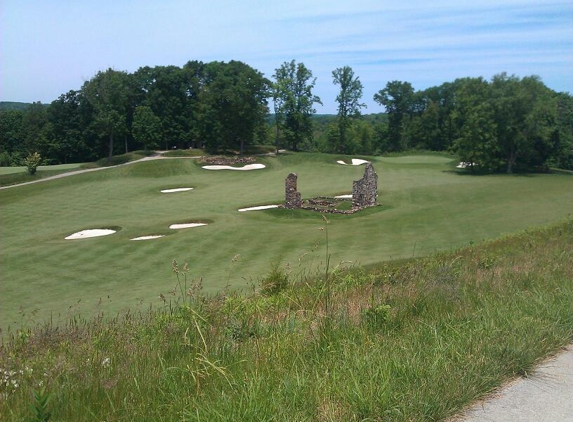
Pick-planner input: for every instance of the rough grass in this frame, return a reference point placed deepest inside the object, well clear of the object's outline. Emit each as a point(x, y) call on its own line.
point(450, 328)
point(425, 207)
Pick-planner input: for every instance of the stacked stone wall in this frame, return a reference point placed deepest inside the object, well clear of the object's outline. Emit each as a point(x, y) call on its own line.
point(293, 199)
point(365, 190)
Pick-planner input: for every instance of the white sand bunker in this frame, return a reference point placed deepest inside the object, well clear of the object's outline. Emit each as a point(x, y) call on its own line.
point(90, 233)
point(355, 162)
point(260, 207)
point(464, 165)
point(153, 236)
point(343, 196)
point(186, 225)
point(246, 167)
point(176, 190)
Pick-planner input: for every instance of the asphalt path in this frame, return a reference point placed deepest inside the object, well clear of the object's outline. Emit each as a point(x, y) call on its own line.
point(546, 395)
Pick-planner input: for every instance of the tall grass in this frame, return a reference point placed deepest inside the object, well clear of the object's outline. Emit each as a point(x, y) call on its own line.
point(412, 341)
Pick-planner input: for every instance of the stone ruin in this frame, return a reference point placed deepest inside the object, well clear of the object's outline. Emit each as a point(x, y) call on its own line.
point(293, 200)
point(364, 194)
point(365, 190)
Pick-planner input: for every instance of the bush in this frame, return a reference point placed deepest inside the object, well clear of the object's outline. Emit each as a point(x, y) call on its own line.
point(376, 316)
point(5, 159)
point(32, 161)
point(275, 282)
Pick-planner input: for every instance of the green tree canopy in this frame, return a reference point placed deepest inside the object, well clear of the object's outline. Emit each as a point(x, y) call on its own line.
point(294, 102)
point(348, 100)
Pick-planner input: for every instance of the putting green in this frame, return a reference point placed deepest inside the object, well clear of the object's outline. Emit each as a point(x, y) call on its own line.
point(424, 208)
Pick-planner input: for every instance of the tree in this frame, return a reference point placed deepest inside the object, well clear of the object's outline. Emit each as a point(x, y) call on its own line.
point(478, 143)
point(11, 137)
point(167, 97)
point(68, 118)
point(348, 100)
point(525, 114)
point(399, 100)
point(146, 127)
point(235, 105)
point(33, 127)
point(563, 155)
point(293, 102)
point(107, 92)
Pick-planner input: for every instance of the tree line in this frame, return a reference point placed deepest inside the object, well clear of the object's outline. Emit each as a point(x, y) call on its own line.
point(506, 123)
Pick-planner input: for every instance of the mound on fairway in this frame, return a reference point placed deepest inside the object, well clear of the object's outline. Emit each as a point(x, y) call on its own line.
point(246, 167)
point(260, 207)
point(176, 190)
point(355, 162)
point(90, 233)
point(186, 225)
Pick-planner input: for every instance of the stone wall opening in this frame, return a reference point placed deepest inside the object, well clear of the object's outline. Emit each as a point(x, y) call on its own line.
point(364, 194)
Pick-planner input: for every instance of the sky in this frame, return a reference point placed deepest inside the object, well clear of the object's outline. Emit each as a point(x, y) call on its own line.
point(50, 47)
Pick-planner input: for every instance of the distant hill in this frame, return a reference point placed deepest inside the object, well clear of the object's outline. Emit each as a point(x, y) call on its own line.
point(12, 105)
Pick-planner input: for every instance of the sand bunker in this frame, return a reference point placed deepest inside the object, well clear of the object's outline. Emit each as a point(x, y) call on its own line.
point(186, 225)
point(246, 167)
point(153, 236)
point(343, 196)
point(260, 207)
point(355, 162)
point(175, 190)
point(90, 233)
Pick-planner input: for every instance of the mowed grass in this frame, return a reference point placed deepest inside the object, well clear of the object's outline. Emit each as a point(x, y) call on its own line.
point(411, 341)
point(15, 175)
point(425, 206)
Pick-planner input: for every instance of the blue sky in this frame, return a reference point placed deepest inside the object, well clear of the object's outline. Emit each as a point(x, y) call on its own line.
point(50, 47)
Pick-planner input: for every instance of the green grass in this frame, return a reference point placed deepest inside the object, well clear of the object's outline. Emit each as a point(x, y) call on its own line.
point(416, 341)
point(15, 175)
point(185, 153)
point(426, 206)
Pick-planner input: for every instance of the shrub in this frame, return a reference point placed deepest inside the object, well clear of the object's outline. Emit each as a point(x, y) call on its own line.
point(275, 281)
point(376, 316)
point(32, 161)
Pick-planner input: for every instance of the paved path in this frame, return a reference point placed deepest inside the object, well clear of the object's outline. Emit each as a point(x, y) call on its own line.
point(545, 396)
point(158, 155)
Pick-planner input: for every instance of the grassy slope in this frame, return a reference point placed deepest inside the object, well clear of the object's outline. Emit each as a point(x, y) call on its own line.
point(458, 325)
point(15, 175)
point(426, 206)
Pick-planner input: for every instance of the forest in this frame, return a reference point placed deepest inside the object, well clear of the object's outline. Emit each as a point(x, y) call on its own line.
point(505, 124)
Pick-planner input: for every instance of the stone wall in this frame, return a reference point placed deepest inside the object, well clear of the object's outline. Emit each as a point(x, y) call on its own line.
point(293, 199)
point(365, 190)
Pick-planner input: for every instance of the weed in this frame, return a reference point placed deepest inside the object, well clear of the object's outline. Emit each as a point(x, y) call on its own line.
point(40, 406)
point(276, 281)
point(376, 316)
